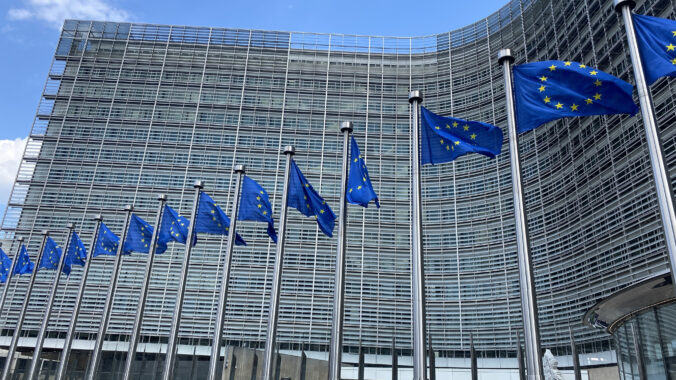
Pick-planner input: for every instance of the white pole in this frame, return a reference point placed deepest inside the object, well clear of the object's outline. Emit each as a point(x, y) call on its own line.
point(33, 371)
point(138, 320)
point(526, 281)
point(176, 319)
point(660, 173)
point(273, 312)
point(22, 315)
point(336, 348)
point(65, 352)
point(223, 295)
point(417, 260)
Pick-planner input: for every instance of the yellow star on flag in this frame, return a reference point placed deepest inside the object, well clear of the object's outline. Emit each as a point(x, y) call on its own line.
point(559, 106)
point(573, 107)
point(597, 96)
point(567, 63)
point(542, 88)
point(670, 47)
point(547, 99)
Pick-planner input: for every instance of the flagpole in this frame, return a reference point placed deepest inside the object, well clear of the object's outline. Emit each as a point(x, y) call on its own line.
point(417, 261)
point(223, 295)
point(273, 310)
point(336, 348)
point(660, 174)
point(170, 358)
point(474, 371)
point(519, 357)
point(10, 274)
point(108, 307)
point(67, 344)
point(526, 282)
point(22, 315)
point(33, 372)
point(138, 320)
point(576, 357)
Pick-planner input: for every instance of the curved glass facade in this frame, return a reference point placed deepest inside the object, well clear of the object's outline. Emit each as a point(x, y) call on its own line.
point(132, 110)
point(653, 331)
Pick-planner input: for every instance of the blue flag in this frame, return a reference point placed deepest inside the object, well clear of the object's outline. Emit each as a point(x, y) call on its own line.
point(5, 266)
point(106, 242)
point(549, 90)
point(305, 199)
point(51, 255)
point(359, 188)
point(173, 227)
point(212, 220)
point(254, 204)
point(139, 236)
point(76, 255)
point(443, 139)
point(656, 38)
point(24, 264)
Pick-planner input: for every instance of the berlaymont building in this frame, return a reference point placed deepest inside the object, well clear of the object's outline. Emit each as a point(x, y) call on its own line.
point(132, 110)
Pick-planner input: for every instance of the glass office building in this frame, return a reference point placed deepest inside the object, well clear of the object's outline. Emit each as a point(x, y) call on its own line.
point(132, 110)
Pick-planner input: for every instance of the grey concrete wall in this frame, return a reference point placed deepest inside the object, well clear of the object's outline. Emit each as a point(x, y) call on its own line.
point(604, 373)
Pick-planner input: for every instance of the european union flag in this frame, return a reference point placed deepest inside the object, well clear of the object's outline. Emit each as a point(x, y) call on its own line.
point(76, 255)
point(173, 227)
point(24, 264)
point(212, 220)
point(446, 138)
point(254, 204)
point(550, 90)
point(5, 266)
point(106, 242)
point(656, 37)
point(51, 255)
point(359, 188)
point(139, 236)
point(305, 199)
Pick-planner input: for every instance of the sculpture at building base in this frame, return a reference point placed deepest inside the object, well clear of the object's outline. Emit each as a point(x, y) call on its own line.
point(551, 366)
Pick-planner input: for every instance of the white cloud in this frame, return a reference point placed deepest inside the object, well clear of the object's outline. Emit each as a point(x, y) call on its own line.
point(54, 12)
point(11, 152)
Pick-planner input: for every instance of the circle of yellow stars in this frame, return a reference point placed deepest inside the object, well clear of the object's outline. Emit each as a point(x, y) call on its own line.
point(218, 222)
point(672, 47)
point(364, 178)
point(573, 107)
point(260, 203)
point(106, 244)
point(450, 146)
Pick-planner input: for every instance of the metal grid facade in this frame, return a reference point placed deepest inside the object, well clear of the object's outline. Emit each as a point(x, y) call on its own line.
point(132, 110)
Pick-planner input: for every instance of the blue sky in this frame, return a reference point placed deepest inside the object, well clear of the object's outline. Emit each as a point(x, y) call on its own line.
point(29, 30)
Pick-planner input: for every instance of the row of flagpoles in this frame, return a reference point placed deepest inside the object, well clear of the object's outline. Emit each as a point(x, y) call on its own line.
point(535, 94)
point(251, 203)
